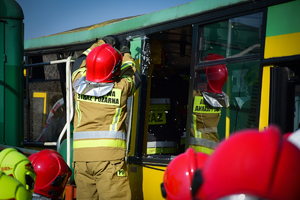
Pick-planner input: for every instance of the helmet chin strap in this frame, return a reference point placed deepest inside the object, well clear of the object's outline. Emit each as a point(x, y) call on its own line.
point(197, 179)
point(197, 182)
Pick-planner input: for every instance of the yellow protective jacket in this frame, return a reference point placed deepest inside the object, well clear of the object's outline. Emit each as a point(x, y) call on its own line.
point(204, 133)
point(99, 122)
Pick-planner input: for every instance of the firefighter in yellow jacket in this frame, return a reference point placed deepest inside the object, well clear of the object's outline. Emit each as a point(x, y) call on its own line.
point(207, 107)
point(102, 85)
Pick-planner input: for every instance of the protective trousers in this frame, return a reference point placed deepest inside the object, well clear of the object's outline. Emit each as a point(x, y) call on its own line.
point(102, 180)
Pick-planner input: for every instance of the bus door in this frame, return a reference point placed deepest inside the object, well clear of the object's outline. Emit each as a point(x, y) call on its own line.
point(162, 109)
point(285, 96)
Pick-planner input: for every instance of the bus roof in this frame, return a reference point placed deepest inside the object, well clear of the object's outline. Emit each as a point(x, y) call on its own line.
point(119, 26)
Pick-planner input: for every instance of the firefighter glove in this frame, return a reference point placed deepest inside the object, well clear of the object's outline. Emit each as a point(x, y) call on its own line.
point(124, 45)
point(112, 40)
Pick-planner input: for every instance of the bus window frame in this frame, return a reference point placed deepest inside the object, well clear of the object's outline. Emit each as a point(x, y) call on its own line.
point(140, 150)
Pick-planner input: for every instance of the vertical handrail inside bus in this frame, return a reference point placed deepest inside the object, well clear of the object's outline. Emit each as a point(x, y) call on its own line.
point(69, 109)
point(69, 99)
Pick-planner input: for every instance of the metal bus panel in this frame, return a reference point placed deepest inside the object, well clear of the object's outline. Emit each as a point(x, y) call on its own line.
point(12, 49)
point(152, 179)
point(282, 31)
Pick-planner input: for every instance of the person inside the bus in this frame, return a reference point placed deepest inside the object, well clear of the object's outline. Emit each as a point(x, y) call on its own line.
point(208, 101)
point(102, 84)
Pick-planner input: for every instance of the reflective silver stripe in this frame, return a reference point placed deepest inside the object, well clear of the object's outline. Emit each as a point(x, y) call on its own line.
point(83, 86)
point(154, 101)
point(203, 142)
point(216, 100)
point(157, 144)
point(99, 134)
point(198, 134)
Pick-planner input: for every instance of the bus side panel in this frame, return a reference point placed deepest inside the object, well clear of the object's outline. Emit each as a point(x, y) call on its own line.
point(135, 171)
point(136, 179)
point(283, 32)
point(282, 39)
point(135, 48)
point(152, 179)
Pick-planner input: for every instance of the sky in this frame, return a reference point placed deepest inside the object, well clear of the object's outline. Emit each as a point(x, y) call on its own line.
point(46, 17)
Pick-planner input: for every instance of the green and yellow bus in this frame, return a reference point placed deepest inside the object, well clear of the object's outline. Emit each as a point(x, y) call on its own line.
point(259, 39)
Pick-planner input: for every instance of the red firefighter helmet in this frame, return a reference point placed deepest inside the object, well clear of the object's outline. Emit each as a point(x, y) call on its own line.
point(216, 74)
point(103, 64)
point(179, 174)
point(52, 173)
point(253, 163)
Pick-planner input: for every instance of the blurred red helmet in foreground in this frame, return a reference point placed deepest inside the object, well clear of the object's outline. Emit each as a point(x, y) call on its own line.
point(179, 175)
point(260, 164)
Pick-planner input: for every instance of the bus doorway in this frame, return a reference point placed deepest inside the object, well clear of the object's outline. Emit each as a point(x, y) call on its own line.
point(285, 96)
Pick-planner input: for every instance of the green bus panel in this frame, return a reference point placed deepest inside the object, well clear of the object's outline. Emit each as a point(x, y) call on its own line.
point(279, 15)
point(11, 70)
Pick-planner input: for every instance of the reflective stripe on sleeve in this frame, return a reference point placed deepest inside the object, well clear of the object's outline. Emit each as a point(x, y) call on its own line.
point(86, 52)
point(127, 64)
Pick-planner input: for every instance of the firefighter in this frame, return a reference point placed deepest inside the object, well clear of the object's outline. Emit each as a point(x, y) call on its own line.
point(52, 174)
point(11, 188)
point(253, 165)
point(102, 86)
point(207, 105)
point(180, 173)
point(15, 164)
